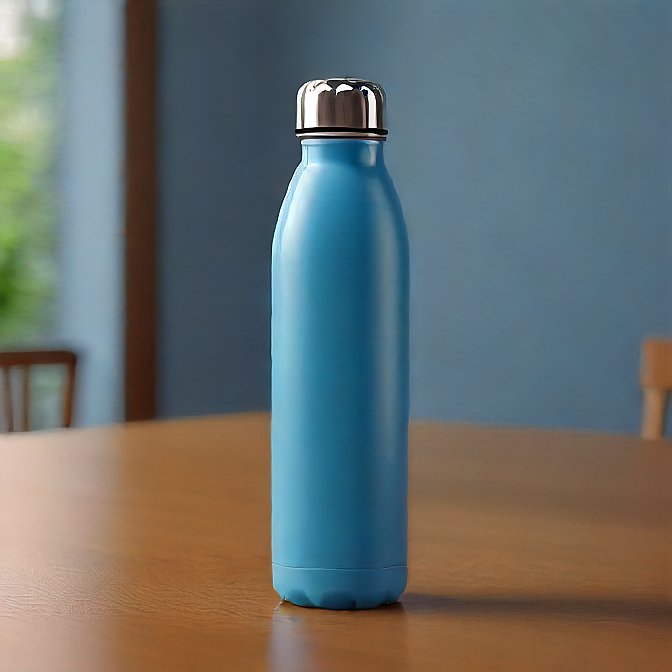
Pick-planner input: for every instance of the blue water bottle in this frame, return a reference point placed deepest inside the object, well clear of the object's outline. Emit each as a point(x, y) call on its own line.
point(340, 360)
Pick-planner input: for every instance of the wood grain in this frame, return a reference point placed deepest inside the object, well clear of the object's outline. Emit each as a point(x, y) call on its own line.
point(146, 547)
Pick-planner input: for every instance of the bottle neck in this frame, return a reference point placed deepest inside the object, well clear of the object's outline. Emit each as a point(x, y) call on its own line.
point(342, 150)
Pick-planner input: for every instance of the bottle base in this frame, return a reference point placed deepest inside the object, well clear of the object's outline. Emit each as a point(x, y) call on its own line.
point(339, 588)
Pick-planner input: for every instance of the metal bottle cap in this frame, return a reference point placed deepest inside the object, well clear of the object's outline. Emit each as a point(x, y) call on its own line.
point(341, 107)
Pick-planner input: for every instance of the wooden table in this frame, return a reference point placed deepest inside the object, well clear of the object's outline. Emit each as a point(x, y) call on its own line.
point(146, 547)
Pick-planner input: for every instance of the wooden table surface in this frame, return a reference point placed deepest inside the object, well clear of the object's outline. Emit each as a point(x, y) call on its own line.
point(147, 547)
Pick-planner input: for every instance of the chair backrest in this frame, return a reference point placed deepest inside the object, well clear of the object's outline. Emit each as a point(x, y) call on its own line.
point(22, 361)
point(656, 381)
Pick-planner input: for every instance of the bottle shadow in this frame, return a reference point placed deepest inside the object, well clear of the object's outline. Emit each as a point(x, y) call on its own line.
point(658, 611)
point(305, 639)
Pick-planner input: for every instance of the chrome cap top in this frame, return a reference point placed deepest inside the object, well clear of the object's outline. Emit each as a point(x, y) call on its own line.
point(341, 107)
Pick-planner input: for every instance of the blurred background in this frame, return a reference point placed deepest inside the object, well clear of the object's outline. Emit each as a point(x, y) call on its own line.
point(146, 146)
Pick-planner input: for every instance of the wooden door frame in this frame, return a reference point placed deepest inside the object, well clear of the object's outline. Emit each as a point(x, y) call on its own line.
point(140, 209)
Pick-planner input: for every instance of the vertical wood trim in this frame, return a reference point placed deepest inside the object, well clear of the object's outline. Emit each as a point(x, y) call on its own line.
point(141, 192)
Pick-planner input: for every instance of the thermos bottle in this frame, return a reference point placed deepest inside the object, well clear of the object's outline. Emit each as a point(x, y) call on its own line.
point(340, 359)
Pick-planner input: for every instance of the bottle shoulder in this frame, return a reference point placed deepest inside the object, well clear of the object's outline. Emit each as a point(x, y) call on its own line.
point(346, 186)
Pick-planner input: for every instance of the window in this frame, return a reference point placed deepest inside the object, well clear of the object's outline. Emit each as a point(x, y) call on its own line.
point(29, 86)
point(61, 195)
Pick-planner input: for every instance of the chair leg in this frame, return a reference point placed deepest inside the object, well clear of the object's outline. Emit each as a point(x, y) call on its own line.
point(8, 398)
point(653, 418)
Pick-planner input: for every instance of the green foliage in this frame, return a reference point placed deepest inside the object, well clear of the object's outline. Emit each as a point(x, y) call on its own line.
point(28, 208)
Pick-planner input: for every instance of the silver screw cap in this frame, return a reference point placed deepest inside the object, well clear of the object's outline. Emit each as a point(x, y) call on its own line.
point(341, 107)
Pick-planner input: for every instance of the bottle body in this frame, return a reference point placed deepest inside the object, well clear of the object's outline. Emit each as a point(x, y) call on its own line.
point(339, 352)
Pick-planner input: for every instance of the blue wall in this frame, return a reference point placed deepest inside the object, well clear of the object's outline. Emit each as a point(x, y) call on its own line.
point(92, 217)
point(530, 143)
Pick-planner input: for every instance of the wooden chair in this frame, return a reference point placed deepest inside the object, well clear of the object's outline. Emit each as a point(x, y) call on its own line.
point(24, 361)
point(656, 381)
